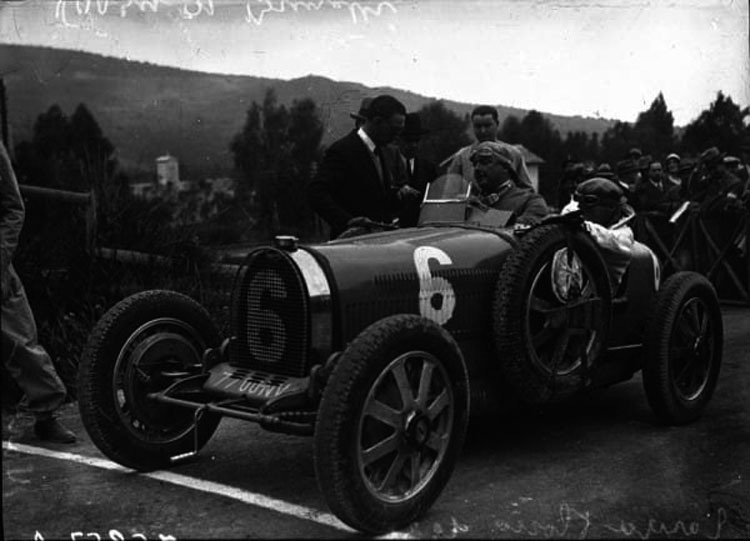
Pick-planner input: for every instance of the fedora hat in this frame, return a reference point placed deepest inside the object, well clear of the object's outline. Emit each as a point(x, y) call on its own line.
point(711, 156)
point(413, 127)
point(625, 167)
point(364, 107)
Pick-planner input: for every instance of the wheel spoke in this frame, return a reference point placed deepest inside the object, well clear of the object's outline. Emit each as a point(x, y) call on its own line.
point(436, 441)
point(684, 331)
point(541, 339)
point(414, 474)
point(539, 304)
point(380, 449)
point(438, 405)
point(561, 346)
point(684, 370)
point(703, 323)
point(402, 380)
point(424, 383)
point(679, 352)
point(383, 413)
point(691, 318)
point(393, 471)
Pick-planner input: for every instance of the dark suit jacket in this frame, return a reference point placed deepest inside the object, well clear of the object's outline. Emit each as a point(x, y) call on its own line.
point(651, 198)
point(424, 172)
point(348, 185)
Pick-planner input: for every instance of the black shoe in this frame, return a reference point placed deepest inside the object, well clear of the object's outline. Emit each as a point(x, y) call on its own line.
point(51, 430)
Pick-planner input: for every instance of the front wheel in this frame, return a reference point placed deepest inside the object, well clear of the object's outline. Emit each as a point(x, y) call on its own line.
point(391, 423)
point(142, 345)
point(682, 348)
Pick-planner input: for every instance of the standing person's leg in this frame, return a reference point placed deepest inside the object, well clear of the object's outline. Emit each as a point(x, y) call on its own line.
point(30, 365)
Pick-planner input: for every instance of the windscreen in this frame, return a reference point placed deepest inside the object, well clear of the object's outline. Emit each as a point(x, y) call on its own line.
point(446, 188)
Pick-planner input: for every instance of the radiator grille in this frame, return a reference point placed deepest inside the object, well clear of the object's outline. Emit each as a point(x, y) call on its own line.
point(271, 320)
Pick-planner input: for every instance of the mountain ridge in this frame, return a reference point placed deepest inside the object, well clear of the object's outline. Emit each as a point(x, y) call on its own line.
point(147, 110)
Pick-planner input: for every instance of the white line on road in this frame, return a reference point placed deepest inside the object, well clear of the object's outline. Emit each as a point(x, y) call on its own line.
point(258, 500)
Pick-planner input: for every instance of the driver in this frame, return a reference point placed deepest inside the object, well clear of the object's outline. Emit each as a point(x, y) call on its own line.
point(607, 216)
point(496, 180)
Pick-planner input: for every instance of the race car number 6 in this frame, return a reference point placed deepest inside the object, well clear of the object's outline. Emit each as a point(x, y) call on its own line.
point(437, 299)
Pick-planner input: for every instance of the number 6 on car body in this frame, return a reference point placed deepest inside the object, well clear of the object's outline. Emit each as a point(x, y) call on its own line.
point(437, 300)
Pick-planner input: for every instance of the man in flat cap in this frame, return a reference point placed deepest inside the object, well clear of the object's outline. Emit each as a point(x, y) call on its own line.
point(485, 123)
point(497, 183)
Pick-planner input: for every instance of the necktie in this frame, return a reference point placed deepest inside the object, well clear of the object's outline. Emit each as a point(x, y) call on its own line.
point(385, 176)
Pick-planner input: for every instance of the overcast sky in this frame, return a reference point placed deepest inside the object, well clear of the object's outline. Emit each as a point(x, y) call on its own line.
point(607, 58)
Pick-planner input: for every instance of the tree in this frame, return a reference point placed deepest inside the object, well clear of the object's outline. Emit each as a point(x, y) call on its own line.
point(446, 132)
point(616, 142)
point(538, 134)
point(305, 133)
point(654, 129)
point(511, 130)
point(47, 161)
point(93, 151)
point(274, 153)
point(720, 125)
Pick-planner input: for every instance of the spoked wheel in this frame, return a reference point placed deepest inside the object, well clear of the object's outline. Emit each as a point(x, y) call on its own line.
point(551, 312)
point(142, 345)
point(683, 348)
point(391, 423)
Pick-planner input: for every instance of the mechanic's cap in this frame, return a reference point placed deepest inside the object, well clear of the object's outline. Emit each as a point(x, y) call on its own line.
point(598, 190)
point(673, 156)
point(495, 150)
point(711, 156)
point(605, 171)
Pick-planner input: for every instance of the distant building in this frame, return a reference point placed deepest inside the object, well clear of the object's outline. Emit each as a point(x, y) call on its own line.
point(167, 171)
point(532, 164)
point(144, 190)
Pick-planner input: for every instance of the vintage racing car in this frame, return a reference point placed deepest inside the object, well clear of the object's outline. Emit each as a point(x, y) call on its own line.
point(380, 345)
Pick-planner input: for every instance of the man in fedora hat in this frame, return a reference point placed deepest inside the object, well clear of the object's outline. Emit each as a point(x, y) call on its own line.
point(419, 171)
point(361, 178)
point(360, 116)
point(485, 123)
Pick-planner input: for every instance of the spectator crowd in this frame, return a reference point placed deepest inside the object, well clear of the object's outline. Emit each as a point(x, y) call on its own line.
point(714, 182)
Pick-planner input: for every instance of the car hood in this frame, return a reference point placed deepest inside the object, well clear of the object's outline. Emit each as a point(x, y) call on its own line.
point(445, 273)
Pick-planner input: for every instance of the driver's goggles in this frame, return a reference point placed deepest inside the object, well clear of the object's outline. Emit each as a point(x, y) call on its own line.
point(586, 199)
point(483, 159)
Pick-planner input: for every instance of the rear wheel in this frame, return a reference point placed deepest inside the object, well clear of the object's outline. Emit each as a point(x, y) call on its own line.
point(142, 345)
point(391, 423)
point(551, 312)
point(682, 348)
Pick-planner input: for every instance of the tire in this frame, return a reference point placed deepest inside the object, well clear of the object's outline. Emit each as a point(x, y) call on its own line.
point(142, 345)
point(548, 333)
point(363, 410)
point(682, 348)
